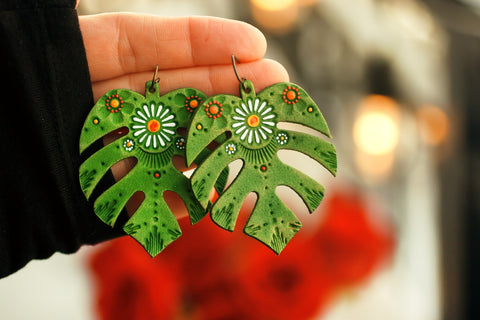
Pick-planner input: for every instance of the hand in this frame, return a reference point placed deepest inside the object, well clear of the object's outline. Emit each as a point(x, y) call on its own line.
point(123, 49)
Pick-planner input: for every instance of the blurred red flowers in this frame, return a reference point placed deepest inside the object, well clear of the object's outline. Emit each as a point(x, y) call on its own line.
point(349, 243)
point(212, 274)
point(130, 286)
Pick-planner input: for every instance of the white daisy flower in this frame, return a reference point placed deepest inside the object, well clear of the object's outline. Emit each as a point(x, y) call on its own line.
point(230, 148)
point(154, 126)
point(180, 143)
point(282, 138)
point(253, 121)
point(128, 144)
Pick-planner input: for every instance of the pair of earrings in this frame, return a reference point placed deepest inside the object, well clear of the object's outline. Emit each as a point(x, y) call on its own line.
point(244, 127)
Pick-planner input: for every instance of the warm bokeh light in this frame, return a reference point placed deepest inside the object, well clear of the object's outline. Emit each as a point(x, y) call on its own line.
point(273, 5)
point(375, 167)
point(275, 16)
point(434, 124)
point(376, 133)
point(375, 130)
point(307, 3)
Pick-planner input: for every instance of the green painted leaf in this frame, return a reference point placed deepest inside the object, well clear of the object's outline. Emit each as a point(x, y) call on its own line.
point(153, 139)
point(255, 139)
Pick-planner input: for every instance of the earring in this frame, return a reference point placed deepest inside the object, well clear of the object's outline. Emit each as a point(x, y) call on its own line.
point(153, 139)
point(252, 119)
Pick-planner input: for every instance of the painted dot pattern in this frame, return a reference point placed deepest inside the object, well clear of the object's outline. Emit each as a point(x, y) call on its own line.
point(213, 109)
point(291, 95)
point(192, 102)
point(114, 103)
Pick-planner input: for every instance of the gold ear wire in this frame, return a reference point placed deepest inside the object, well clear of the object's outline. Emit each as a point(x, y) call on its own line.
point(242, 79)
point(154, 79)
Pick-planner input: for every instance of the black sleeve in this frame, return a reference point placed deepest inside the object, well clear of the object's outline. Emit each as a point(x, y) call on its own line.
point(45, 96)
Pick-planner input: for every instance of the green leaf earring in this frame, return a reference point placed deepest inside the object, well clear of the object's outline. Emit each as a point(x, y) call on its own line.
point(252, 120)
point(153, 139)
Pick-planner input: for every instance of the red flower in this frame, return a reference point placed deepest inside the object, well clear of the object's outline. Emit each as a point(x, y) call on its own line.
point(212, 274)
point(198, 256)
point(288, 286)
point(130, 285)
point(349, 244)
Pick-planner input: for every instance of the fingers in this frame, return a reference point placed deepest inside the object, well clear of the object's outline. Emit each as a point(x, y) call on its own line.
point(210, 80)
point(118, 44)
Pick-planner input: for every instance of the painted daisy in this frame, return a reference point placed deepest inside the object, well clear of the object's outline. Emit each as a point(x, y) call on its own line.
point(154, 126)
point(282, 138)
point(253, 121)
point(128, 144)
point(230, 148)
point(180, 143)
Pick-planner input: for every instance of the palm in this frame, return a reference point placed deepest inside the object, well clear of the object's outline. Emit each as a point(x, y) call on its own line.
point(252, 120)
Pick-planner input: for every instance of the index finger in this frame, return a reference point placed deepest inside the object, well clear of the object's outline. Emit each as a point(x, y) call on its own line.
point(118, 44)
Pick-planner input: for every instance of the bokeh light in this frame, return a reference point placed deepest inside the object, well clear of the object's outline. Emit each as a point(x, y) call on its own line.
point(434, 124)
point(275, 16)
point(375, 130)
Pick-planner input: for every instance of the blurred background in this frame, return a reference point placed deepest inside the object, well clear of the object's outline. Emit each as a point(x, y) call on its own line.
point(397, 234)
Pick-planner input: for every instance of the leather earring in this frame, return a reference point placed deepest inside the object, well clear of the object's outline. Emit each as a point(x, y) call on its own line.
point(252, 120)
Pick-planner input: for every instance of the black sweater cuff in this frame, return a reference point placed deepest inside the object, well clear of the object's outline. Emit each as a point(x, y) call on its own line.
point(45, 96)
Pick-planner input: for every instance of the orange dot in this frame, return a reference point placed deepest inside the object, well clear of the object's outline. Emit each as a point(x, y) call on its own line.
point(253, 120)
point(95, 121)
point(153, 125)
point(199, 126)
point(291, 95)
point(114, 103)
point(193, 104)
point(129, 144)
point(213, 109)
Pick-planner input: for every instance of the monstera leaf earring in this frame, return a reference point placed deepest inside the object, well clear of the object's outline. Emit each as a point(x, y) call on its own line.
point(153, 139)
point(252, 119)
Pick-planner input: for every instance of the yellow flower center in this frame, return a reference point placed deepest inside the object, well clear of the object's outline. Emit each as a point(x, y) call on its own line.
point(253, 121)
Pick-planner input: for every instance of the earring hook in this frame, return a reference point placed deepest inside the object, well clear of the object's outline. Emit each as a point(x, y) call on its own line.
point(154, 79)
point(242, 79)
